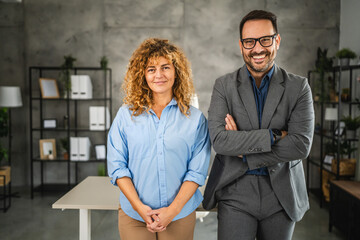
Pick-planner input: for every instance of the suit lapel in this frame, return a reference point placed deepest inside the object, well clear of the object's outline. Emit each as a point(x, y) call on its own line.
point(275, 93)
point(246, 94)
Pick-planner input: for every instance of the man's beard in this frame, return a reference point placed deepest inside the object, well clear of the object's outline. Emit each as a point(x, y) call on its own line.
point(268, 55)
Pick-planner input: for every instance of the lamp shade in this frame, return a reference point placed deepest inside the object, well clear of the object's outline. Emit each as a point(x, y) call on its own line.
point(10, 97)
point(331, 114)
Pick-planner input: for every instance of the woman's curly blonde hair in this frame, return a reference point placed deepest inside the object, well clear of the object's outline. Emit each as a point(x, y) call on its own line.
point(138, 95)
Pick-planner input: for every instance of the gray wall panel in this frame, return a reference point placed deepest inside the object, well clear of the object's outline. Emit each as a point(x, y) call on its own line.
point(207, 30)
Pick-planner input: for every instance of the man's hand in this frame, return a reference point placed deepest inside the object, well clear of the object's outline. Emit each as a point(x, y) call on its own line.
point(230, 123)
point(283, 134)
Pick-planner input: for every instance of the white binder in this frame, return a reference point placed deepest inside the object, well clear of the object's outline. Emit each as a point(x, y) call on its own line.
point(80, 148)
point(81, 87)
point(75, 87)
point(86, 87)
point(74, 149)
point(99, 118)
point(84, 148)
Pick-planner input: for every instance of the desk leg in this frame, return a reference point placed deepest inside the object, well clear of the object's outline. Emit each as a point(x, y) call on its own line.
point(85, 224)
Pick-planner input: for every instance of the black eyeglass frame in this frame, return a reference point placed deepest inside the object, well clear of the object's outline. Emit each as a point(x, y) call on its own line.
point(258, 40)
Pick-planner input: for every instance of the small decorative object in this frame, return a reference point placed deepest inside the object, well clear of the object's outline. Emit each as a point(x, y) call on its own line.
point(65, 74)
point(101, 170)
point(49, 123)
point(328, 159)
point(339, 131)
point(47, 147)
point(65, 148)
point(49, 88)
point(104, 62)
point(344, 56)
point(345, 95)
point(100, 151)
point(351, 125)
point(51, 156)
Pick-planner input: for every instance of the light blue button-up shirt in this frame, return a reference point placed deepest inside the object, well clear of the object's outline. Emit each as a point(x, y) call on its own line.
point(159, 155)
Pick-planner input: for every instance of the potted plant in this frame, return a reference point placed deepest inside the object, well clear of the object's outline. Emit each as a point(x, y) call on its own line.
point(323, 64)
point(344, 55)
point(347, 163)
point(351, 125)
point(4, 170)
point(65, 147)
point(104, 62)
point(345, 95)
point(65, 74)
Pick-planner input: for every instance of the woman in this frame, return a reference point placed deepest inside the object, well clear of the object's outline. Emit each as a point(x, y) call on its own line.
point(158, 146)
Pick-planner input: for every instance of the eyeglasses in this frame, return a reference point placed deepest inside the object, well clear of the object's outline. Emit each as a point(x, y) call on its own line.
point(265, 41)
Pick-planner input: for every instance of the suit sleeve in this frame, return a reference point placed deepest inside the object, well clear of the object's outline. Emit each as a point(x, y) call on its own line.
point(232, 143)
point(297, 144)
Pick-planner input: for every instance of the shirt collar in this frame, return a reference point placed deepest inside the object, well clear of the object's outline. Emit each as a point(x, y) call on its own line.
point(172, 102)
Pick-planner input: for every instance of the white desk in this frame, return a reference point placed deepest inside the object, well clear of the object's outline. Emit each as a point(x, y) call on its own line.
point(93, 193)
point(99, 194)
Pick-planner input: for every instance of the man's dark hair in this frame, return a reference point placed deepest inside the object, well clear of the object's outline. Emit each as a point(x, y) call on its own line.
point(258, 14)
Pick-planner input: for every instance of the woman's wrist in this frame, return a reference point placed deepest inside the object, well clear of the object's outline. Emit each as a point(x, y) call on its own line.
point(175, 209)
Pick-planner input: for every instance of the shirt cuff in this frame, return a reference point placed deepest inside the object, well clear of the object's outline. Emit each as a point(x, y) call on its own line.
point(195, 177)
point(120, 173)
point(272, 137)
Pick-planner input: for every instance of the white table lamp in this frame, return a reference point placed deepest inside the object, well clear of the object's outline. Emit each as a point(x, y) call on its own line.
point(10, 97)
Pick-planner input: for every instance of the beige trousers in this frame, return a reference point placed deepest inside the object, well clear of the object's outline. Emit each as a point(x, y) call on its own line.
point(131, 229)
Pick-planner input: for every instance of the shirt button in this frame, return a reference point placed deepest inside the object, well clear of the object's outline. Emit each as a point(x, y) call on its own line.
point(160, 153)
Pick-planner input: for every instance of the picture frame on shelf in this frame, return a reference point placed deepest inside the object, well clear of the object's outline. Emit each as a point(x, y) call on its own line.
point(47, 149)
point(49, 88)
point(50, 123)
point(100, 152)
point(339, 130)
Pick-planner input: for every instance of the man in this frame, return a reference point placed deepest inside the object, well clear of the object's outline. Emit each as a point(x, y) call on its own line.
point(261, 122)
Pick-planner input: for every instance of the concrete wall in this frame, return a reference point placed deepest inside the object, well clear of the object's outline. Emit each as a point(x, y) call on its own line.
point(207, 30)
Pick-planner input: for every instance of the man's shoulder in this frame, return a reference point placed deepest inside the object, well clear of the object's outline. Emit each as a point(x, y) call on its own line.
point(229, 76)
point(290, 77)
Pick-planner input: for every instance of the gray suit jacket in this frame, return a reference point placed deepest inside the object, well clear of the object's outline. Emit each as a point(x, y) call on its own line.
point(288, 107)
